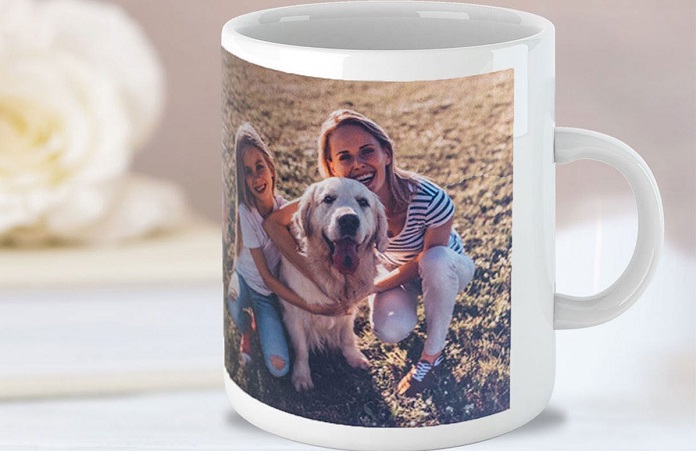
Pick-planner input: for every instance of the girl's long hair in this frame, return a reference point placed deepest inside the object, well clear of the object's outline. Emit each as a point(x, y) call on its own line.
point(401, 184)
point(245, 138)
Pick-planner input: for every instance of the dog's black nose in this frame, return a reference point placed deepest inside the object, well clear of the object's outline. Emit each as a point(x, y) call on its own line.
point(349, 224)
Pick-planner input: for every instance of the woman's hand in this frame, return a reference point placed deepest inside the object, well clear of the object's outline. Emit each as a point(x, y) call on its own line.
point(380, 285)
point(400, 276)
point(332, 310)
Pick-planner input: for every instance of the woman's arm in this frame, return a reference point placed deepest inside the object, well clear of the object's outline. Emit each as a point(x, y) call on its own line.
point(434, 236)
point(285, 292)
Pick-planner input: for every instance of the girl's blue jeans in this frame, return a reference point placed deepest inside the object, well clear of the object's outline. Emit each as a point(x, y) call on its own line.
point(269, 322)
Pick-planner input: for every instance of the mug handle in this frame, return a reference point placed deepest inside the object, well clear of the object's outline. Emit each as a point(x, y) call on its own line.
point(577, 312)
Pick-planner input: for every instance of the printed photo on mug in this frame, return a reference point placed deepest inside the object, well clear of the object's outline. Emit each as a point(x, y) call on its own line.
point(368, 243)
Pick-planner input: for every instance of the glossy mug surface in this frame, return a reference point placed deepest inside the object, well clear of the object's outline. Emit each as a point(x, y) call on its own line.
point(389, 228)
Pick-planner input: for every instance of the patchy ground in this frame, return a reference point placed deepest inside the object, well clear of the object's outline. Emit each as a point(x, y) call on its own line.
point(458, 133)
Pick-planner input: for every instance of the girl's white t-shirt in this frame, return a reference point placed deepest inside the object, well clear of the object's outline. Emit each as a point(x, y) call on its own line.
point(255, 237)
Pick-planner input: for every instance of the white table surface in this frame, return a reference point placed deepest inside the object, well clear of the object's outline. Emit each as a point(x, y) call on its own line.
point(203, 420)
point(626, 385)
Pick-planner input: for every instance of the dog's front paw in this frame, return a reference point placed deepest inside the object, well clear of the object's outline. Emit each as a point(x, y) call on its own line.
point(302, 378)
point(357, 359)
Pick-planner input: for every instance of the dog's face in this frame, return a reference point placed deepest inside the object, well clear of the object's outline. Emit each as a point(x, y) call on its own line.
point(344, 218)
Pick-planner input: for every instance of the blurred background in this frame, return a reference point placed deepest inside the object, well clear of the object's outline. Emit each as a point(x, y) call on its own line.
point(625, 68)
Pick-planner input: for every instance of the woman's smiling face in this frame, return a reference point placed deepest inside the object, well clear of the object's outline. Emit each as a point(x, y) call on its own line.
point(358, 155)
point(258, 176)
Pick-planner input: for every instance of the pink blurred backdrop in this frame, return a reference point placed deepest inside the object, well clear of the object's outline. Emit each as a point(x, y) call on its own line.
point(626, 68)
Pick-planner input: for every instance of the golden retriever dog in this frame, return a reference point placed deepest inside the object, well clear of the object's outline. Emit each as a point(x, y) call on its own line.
point(338, 225)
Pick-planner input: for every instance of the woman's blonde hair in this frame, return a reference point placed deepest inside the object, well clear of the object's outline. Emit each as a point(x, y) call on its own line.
point(247, 137)
point(401, 184)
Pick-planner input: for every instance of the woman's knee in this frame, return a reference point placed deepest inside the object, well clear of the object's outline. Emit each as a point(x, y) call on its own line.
point(392, 332)
point(437, 262)
point(393, 316)
point(468, 269)
point(441, 265)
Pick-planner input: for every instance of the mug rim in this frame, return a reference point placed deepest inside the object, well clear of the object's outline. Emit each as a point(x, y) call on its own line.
point(233, 38)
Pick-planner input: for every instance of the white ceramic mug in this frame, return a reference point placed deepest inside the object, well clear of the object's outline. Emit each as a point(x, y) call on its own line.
point(412, 67)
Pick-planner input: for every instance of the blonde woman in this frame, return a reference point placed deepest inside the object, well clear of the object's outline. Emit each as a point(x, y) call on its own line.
point(425, 255)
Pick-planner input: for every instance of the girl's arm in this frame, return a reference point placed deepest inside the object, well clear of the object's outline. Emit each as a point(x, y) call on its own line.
point(434, 236)
point(277, 226)
point(283, 291)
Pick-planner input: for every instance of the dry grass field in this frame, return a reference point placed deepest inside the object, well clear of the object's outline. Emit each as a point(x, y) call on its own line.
point(459, 134)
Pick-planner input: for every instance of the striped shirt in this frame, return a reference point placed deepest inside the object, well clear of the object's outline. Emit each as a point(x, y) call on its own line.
point(429, 207)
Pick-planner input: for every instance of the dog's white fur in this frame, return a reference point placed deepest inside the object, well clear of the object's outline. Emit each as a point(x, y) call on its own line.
point(315, 222)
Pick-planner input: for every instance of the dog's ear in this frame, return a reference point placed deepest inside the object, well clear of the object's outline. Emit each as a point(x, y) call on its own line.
point(303, 216)
point(380, 238)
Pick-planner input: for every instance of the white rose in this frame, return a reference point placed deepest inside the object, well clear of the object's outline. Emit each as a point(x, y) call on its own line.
point(100, 34)
point(72, 111)
point(104, 35)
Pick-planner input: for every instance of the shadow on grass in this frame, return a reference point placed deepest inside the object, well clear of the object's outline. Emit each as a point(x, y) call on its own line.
point(469, 387)
point(360, 402)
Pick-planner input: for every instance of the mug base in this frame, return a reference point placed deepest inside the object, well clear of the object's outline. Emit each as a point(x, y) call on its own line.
point(328, 435)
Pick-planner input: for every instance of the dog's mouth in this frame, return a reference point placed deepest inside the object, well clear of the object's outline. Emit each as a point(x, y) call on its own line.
point(344, 254)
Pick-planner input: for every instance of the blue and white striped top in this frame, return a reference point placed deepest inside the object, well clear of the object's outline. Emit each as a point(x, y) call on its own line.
point(429, 207)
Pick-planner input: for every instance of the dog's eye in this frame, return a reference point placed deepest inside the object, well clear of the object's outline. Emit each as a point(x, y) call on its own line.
point(363, 202)
point(329, 199)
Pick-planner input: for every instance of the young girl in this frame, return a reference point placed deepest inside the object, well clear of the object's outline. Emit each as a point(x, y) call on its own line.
point(424, 256)
point(253, 289)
